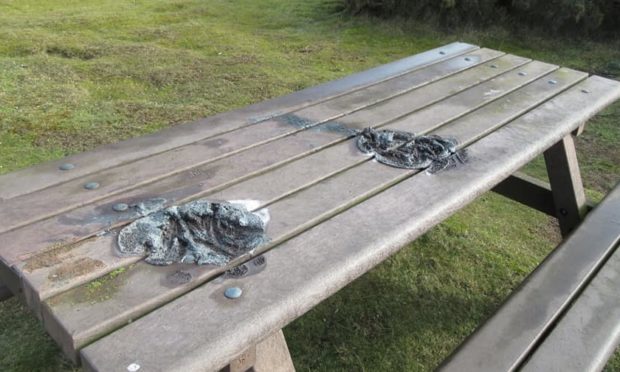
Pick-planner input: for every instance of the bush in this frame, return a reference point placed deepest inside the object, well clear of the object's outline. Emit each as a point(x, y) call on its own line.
point(572, 16)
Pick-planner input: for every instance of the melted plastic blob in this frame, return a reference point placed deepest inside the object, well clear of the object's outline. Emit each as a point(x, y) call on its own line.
point(201, 232)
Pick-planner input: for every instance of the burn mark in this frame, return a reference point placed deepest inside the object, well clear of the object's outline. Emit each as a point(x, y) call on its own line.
point(252, 267)
point(201, 232)
point(406, 150)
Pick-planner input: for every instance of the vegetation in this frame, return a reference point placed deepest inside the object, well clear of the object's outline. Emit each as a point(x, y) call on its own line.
point(77, 74)
point(585, 17)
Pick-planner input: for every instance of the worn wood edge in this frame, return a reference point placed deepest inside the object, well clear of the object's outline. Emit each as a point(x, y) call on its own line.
point(290, 302)
point(587, 334)
point(38, 177)
point(33, 207)
point(517, 64)
point(575, 78)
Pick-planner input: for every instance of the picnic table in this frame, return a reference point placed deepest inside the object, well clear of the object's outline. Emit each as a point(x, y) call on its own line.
point(334, 212)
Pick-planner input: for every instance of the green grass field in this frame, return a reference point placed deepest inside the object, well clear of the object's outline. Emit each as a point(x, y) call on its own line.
point(77, 74)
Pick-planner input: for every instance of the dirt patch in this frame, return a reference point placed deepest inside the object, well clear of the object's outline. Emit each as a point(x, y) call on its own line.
point(47, 258)
point(96, 291)
point(71, 52)
point(79, 267)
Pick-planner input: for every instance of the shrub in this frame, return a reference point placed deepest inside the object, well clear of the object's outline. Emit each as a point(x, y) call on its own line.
point(573, 16)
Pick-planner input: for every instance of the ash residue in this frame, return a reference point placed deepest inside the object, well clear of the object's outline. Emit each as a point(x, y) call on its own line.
point(201, 232)
point(406, 150)
point(249, 268)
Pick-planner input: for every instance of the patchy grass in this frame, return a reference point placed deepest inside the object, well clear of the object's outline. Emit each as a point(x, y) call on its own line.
point(77, 74)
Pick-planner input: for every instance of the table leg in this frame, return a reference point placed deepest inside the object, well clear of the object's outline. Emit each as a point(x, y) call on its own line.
point(566, 186)
point(4, 292)
point(269, 355)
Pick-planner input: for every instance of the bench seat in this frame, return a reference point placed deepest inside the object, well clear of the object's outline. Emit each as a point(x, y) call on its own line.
point(587, 330)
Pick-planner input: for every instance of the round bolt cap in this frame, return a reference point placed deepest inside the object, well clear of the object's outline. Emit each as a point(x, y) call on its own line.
point(66, 166)
point(233, 292)
point(585, 91)
point(442, 52)
point(120, 207)
point(522, 73)
point(553, 82)
point(563, 212)
point(467, 59)
point(91, 186)
point(494, 66)
point(133, 367)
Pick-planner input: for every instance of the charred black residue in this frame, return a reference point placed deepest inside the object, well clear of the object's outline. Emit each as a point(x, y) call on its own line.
point(180, 277)
point(201, 232)
point(254, 266)
point(304, 123)
point(406, 150)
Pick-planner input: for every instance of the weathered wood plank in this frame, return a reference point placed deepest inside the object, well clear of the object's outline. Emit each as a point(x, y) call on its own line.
point(324, 259)
point(566, 186)
point(26, 209)
point(88, 220)
point(508, 337)
point(45, 175)
point(587, 335)
point(92, 219)
point(75, 321)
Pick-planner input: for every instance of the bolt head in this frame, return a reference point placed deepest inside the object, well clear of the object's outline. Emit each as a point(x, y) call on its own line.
point(442, 52)
point(91, 185)
point(586, 91)
point(233, 292)
point(467, 59)
point(563, 212)
point(553, 82)
point(522, 73)
point(120, 207)
point(66, 166)
point(133, 367)
point(493, 66)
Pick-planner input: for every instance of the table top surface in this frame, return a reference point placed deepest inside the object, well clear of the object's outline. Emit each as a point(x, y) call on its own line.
point(334, 212)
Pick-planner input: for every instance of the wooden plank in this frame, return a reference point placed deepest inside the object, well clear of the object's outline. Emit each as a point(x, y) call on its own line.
point(196, 180)
point(566, 186)
point(588, 334)
point(26, 209)
point(72, 321)
point(94, 219)
point(47, 174)
point(506, 340)
point(99, 215)
point(324, 259)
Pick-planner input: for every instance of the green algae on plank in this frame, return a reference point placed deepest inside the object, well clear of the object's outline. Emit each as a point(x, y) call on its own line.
point(96, 291)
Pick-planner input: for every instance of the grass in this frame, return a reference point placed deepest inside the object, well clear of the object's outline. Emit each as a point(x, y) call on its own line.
point(77, 74)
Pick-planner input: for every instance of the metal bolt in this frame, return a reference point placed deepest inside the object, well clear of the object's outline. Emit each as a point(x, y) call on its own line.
point(91, 186)
point(563, 212)
point(467, 59)
point(120, 207)
point(442, 52)
point(133, 367)
point(233, 292)
point(585, 91)
point(522, 73)
point(493, 66)
point(553, 82)
point(66, 166)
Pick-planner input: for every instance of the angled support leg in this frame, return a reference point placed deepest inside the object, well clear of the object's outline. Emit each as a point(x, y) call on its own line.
point(270, 355)
point(566, 186)
point(5, 294)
